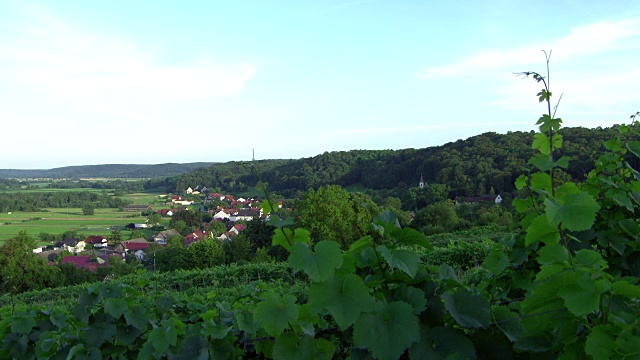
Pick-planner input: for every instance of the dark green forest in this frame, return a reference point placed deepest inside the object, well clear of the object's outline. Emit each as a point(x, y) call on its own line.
point(486, 163)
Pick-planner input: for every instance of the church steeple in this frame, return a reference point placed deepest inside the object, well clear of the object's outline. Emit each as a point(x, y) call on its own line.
point(421, 183)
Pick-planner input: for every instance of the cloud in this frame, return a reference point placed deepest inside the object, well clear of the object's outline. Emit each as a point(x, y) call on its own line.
point(581, 41)
point(98, 71)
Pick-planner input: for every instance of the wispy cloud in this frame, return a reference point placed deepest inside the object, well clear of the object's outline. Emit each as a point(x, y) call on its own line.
point(585, 40)
point(50, 55)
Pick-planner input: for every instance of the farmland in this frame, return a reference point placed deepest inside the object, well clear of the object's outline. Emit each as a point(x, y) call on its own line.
point(59, 220)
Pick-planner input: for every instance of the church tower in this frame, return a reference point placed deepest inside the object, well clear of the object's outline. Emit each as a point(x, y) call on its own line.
point(421, 183)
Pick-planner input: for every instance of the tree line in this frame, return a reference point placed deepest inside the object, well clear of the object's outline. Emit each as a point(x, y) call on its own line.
point(68, 199)
point(482, 164)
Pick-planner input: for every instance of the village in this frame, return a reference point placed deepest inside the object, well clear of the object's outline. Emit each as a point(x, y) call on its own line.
point(94, 251)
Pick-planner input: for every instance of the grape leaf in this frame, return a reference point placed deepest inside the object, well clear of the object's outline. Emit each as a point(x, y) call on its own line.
point(496, 261)
point(115, 307)
point(469, 310)
point(344, 297)
point(540, 230)
point(319, 266)
point(388, 331)
point(576, 212)
point(404, 260)
point(275, 312)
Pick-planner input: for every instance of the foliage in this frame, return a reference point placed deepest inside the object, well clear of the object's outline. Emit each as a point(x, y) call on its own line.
point(22, 270)
point(565, 287)
point(332, 213)
point(88, 209)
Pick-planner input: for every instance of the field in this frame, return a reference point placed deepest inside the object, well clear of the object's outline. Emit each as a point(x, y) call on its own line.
point(57, 221)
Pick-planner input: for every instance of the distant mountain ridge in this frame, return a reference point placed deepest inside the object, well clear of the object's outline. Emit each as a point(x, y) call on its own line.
point(107, 171)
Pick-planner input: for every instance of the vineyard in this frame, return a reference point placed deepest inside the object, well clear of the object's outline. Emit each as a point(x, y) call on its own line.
point(564, 285)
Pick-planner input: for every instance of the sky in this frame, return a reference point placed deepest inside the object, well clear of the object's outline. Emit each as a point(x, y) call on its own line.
point(149, 82)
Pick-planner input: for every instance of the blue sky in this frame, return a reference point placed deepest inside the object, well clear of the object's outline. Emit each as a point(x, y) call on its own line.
point(164, 81)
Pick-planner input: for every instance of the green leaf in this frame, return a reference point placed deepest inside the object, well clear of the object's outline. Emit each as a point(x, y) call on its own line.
point(624, 288)
point(552, 253)
point(406, 261)
point(290, 346)
point(23, 323)
point(388, 331)
point(115, 307)
point(299, 236)
point(137, 316)
point(541, 181)
point(412, 296)
point(521, 182)
point(508, 322)
point(634, 147)
point(577, 211)
point(319, 266)
point(214, 330)
point(543, 162)
point(589, 259)
point(496, 261)
point(621, 197)
point(540, 230)
point(409, 236)
point(275, 312)
point(541, 143)
point(581, 293)
point(363, 242)
point(275, 221)
point(601, 341)
point(470, 311)
point(344, 297)
point(268, 207)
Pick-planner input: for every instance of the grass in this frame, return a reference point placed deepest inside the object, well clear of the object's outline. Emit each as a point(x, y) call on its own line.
point(48, 190)
point(57, 221)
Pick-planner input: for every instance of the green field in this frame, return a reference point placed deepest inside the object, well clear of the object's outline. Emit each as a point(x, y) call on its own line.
point(57, 221)
point(50, 190)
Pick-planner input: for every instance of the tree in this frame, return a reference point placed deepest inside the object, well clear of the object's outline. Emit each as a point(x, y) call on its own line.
point(88, 209)
point(154, 218)
point(22, 270)
point(205, 253)
point(331, 213)
point(190, 218)
point(238, 249)
point(436, 218)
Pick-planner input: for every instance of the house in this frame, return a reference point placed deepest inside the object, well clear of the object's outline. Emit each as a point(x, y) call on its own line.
point(97, 241)
point(194, 236)
point(133, 208)
point(73, 245)
point(246, 214)
point(189, 190)
point(237, 228)
point(162, 236)
point(84, 262)
point(131, 246)
point(221, 215)
point(167, 212)
point(140, 226)
point(497, 199)
point(216, 196)
point(176, 198)
point(183, 202)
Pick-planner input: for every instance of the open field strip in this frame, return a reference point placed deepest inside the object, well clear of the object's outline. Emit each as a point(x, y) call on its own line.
point(57, 221)
point(51, 190)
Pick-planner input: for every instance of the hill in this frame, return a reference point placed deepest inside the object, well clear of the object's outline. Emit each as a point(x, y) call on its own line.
point(106, 171)
point(477, 165)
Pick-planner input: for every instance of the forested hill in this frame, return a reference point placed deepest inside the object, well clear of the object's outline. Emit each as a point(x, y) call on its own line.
point(107, 171)
point(474, 166)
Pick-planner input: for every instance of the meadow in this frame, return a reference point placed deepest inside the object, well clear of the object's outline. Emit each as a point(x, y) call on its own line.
point(59, 220)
